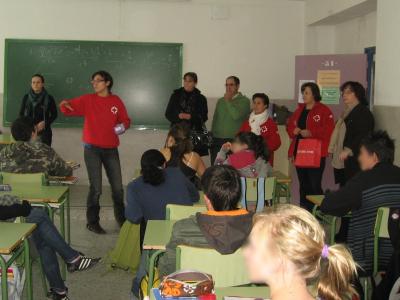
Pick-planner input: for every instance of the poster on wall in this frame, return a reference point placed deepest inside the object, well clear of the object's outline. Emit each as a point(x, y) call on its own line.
point(301, 82)
point(329, 84)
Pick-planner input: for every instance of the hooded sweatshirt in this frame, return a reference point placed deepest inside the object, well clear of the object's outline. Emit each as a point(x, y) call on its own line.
point(32, 157)
point(224, 231)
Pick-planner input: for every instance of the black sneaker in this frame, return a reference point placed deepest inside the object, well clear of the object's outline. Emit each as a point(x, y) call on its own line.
point(82, 264)
point(96, 228)
point(55, 296)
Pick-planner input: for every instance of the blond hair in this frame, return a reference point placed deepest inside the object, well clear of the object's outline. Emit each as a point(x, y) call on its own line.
point(298, 237)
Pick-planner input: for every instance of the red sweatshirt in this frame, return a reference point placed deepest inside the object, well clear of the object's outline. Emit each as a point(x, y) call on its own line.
point(320, 123)
point(101, 115)
point(269, 131)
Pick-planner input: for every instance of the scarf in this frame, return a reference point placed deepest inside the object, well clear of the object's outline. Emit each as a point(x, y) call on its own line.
point(33, 101)
point(255, 121)
point(337, 139)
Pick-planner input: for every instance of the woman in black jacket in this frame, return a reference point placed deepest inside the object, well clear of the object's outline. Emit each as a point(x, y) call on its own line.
point(359, 123)
point(40, 106)
point(188, 105)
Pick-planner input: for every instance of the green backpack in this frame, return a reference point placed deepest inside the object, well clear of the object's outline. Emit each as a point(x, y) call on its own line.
point(126, 254)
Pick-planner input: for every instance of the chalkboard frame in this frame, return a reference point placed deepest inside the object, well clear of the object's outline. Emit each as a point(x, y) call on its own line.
point(8, 41)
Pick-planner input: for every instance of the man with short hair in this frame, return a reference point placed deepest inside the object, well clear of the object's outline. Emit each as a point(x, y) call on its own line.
point(230, 112)
point(29, 155)
point(222, 193)
point(377, 185)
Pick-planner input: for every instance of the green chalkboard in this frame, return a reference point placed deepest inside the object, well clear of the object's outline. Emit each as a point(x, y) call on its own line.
point(145, 74)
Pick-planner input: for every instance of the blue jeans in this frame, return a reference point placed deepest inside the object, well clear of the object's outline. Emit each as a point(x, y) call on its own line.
point(49, 242)
point(141, 272)
point(95, 158)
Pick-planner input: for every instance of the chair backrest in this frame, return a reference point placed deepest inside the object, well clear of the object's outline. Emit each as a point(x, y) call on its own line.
point(179, 212)
point(380, 231)
point(226, 270)
point(258, 190)
point(23, 178)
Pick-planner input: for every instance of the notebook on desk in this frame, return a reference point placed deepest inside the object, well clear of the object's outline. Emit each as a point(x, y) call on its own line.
point(56, 180)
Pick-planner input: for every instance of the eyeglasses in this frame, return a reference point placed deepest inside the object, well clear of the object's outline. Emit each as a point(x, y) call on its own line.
point(96, 81)
point(230, 84)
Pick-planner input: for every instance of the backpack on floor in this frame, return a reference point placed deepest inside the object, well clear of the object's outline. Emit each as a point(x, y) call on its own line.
point(126, 254)
point(383, 290)
point(15, 281)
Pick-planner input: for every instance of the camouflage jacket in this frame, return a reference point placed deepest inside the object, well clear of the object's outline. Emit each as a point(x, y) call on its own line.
point(32, 157)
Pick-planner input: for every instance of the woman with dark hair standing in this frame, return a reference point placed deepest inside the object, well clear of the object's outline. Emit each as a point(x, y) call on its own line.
point(261, 123)
point(187, 105)
point(355, 123)
point(105, 118)
point(311, 120)
point(40, 106)
point(178, 152)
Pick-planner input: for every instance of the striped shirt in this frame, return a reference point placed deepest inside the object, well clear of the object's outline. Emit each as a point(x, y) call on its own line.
point(363, 195)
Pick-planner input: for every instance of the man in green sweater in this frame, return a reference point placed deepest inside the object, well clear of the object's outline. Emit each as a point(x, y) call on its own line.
point(230, 112)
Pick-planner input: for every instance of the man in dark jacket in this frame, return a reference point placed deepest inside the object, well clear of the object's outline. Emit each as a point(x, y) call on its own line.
point(377, 185)
point(48, 242)
point(223, 227)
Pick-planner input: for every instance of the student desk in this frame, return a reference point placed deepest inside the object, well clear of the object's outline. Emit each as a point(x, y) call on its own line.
point(156, 237)
point(5, 139)
point(14, 242)
point(282, 184)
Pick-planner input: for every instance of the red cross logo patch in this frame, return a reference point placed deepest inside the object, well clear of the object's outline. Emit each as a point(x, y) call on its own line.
point(114, 110)
point(264, 129)
point(317, 118)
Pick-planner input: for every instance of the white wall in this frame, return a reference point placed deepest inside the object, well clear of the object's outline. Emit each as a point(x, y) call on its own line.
point(355, 35)
point(387, 54)
point(258, 42)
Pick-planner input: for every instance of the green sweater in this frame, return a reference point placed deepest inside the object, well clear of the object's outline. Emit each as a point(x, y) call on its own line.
point(229, 116)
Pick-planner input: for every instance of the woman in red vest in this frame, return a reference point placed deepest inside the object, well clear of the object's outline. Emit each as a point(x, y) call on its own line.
point(311, 120)
point(261, 123)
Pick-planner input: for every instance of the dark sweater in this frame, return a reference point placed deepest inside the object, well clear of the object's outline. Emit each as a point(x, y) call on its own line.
point(148, 202)
point(363, 195)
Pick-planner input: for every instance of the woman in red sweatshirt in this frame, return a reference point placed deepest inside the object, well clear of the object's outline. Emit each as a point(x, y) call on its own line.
point(311, 120)
point(105, 118)
point(261, 123)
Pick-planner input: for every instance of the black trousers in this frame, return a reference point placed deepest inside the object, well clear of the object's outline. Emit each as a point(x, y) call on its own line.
point(216, 146)
point(310, 183)
point(95, 158)
point(46, 136)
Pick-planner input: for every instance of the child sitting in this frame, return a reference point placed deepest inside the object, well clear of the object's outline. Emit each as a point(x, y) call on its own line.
point(249, 155)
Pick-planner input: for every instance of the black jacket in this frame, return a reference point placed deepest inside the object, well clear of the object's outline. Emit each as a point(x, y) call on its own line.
point(50, 115)
point(193, 103)
point(359, 123)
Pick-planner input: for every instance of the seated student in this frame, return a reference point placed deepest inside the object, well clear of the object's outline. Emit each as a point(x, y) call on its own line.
point(377, 185)
point(286, 251)
point(222, 189)
point(249, 155)
point(179, 152)
point(48, 242)
point(261, 123)
point(148, 195)
point(29, 155)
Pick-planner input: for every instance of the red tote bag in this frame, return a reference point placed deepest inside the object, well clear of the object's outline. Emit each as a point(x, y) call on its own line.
point(308, 153)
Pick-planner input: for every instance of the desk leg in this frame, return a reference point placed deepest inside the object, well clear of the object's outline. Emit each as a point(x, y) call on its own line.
point(68, 205)
point(4, 287)
point(62, 231)
point(28, 269)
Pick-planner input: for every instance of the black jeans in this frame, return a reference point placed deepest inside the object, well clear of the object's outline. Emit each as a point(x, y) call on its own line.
point(95, 158)
point(49, 242)
point(310, 183)
point(216, 146)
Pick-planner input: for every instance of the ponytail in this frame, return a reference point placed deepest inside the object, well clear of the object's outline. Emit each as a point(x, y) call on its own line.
point(337, 272)
point(182, 143)
point(152, 164)
point(261, 149)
